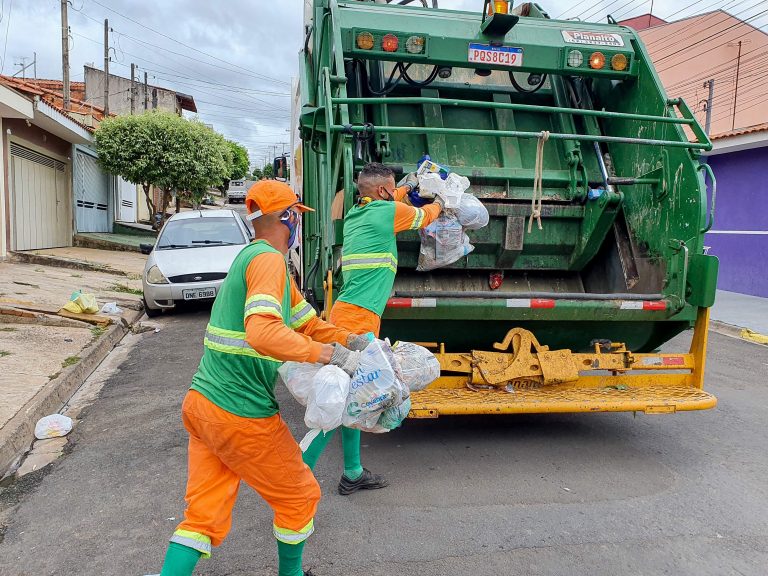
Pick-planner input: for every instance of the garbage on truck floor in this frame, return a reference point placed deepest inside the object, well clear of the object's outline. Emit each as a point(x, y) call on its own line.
point(375, 399)
point(445, 241)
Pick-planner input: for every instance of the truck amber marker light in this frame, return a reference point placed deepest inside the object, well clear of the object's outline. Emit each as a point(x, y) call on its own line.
point(619, 62)
point(365, 41)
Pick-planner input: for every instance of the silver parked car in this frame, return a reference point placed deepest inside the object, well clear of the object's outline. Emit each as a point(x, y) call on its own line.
point(191, 257)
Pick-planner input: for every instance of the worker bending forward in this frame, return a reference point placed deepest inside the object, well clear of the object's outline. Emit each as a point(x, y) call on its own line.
point(258, 321)
point(369, 266)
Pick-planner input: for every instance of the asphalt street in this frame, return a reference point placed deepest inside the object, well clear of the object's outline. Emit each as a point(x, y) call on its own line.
point(580, 494)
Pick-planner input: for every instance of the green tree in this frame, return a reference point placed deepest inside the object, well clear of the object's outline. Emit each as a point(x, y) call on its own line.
point(257, 173)
point(164, 150)
point(240, 161)
point(267, 171)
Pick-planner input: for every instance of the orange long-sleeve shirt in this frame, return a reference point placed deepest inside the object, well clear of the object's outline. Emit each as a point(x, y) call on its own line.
point(406, 216)
point(267, 333)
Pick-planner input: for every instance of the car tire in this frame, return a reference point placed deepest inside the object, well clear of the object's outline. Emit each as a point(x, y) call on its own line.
point(150, 312)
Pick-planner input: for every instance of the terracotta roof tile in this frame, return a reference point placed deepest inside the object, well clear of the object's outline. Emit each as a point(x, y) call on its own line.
point(741, 131)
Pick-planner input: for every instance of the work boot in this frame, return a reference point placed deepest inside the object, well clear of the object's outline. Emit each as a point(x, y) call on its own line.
point(367, 481)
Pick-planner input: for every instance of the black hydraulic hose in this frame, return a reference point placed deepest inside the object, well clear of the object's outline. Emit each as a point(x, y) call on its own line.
point(543, 295)
point(418, 83)
point(519, 88)
point(389, 85)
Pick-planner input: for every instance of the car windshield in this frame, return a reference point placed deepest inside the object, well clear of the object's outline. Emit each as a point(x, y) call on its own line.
point(200, 232)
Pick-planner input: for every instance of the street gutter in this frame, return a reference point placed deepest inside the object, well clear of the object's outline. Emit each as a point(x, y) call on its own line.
point(18, 434)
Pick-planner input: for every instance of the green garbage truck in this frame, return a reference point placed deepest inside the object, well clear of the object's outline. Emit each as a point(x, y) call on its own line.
point(594, 254)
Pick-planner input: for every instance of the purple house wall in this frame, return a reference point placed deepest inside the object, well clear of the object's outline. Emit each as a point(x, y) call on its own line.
point(739, 237)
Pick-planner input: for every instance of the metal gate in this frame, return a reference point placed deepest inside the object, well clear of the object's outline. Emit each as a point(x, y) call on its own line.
point(91, 195)
point(42, 211)
point(126, 211)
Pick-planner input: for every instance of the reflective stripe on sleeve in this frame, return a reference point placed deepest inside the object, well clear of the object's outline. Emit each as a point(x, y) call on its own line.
point(231, 342)
point(263, 304)
point(418, 219)
point(292, 536)
point(301, 314)
point(199, 542)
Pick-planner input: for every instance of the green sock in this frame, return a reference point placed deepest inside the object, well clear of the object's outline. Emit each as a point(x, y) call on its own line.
point(316, 447)
point(350, 442)
point(180, 560)
point(289, 559)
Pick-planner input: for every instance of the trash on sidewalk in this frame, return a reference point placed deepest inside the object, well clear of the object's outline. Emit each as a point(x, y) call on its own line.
point(80, 303)
point(142, 327)
point(111, 308)
point(53, 426)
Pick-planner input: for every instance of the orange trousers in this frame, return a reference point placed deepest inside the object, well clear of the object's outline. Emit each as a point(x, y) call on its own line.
point(225, 448)
point(355, 318)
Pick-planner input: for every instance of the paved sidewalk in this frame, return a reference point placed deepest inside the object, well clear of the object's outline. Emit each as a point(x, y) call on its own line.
point(741, 310)
point(129, 264)
point(44, 357)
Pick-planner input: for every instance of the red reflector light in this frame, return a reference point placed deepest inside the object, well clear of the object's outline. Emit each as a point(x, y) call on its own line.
point(400, 303)
point(673, 361)
point(389, 43)
point(654, 305)
point(542, 303)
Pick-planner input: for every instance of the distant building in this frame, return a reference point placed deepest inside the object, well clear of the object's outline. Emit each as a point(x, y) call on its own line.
point(642, 22)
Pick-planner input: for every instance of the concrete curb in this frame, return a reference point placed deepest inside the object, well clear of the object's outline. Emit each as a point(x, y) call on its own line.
point(100, 244)
point(18, 434)
point(737, 332)
point(41, 260)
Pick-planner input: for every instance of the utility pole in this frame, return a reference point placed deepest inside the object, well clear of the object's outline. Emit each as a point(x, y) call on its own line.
point(736, 90)
point(133, 89)
point(34, 64)
point(146, 93)
point(708, 121)
point(65, 53)
point(650, 15)
point(106, 67)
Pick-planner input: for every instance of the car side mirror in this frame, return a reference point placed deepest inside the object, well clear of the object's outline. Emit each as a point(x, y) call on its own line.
point(146, 248)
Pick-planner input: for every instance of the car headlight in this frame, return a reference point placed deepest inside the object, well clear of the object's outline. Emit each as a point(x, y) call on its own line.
point(154, 276)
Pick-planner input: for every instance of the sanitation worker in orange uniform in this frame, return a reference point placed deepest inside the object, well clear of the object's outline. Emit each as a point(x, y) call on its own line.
point(369, 266)
point(258, 321)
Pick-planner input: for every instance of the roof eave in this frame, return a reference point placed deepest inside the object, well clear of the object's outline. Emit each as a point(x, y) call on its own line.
point(52, 120)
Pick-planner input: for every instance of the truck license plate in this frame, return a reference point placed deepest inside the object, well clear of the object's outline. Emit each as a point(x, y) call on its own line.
point(199, 293)
point(499, 55)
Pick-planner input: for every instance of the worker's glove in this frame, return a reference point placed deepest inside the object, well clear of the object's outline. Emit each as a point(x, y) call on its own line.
point(440, 201)
point(359, 342)
point(412, 180)
point(345, 359)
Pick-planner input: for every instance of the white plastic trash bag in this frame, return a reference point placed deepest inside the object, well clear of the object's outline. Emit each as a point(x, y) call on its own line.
point(443, 242)
point(53, 426)
point(374, 386)
point(471, 213)
point(392, 417)
point(431, 185)
point(455, 186)
point(416, 366)
point(297, 377)
point(327, 398)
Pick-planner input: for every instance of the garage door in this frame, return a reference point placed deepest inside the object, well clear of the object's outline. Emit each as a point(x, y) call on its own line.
point(91, 195)
point(42, 211)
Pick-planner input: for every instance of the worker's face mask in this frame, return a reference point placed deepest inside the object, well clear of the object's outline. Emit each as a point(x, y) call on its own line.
point(291, 220)
point(386, 194)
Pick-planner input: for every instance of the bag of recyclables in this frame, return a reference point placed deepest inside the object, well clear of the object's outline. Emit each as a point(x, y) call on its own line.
point(416, 366)
point(327, 398)
point(374, 387)
point(443, 242)
point(472, 213)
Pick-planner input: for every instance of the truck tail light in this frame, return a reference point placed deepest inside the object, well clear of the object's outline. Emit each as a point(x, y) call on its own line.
point(365, 41)
point(390, 43)
point(415, 45)
point(597, 61)
point(619, 62)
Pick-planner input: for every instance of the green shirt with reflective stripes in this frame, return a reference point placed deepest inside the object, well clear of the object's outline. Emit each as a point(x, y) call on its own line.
point(231, 374)
point(369, 256)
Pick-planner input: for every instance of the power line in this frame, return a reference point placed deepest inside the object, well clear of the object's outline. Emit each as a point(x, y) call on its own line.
point(262, 76)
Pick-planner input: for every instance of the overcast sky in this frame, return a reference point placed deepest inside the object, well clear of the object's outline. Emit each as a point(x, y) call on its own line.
point(236, 57)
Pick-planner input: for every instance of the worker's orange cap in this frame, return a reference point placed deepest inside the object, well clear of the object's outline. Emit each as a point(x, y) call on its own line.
point(268, 196)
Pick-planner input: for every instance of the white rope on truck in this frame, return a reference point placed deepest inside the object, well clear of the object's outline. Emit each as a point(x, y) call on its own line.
point(537, 181)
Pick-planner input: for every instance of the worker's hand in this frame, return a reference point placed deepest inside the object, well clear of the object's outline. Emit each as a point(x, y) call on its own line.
point(345, 359)
point(359, 342)
point(412, 180)
point(326, 351)
point(440, 201)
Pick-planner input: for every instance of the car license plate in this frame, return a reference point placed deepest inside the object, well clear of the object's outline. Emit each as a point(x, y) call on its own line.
point(499, 55)
point(199, 293)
